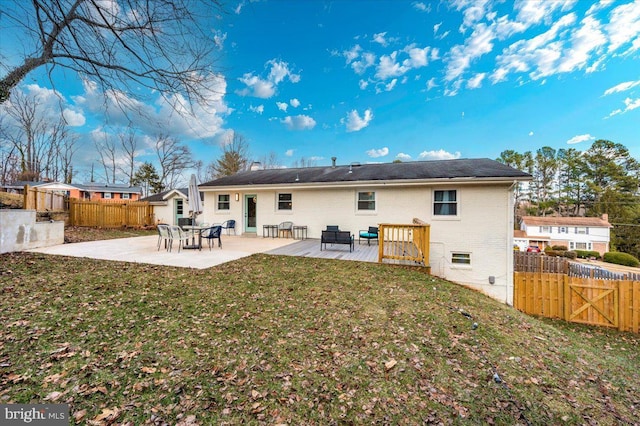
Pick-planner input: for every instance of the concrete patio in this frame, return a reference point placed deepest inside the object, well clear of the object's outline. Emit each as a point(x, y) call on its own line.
point(144, 250)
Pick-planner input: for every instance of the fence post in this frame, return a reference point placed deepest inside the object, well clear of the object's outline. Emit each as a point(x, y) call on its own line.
point(566, 298)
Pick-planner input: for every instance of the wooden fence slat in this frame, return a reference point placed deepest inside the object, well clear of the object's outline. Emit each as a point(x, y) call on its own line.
point(111, 214)
point(609, 303)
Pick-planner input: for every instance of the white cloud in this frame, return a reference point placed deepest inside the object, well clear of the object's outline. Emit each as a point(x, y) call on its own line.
point(422, 7)
point(440, 154)
point(403, 157)
point(266, 87)
point(598, 6)
point(530, 133)
point(389, 67)
point(630, 104)
point(460, 57)
point(299, 122)
point(431, 83)
point(380, 39)
point(534, 12)
point(472, 11)
point(352, 54)
point(436, 27)
point(289, 152)
point(363, 84)
point(476, 81)
point(622, 87)
point(73, 118)
point(282, 106)
point(367, 60)
point(417, 57)
point(624, 26)
point(294, 102)
point(257, 109)
point(580, 138)
point(375, 153)
point(356, 123)
point(539, 55)
point(174, 114)
point(586, 39)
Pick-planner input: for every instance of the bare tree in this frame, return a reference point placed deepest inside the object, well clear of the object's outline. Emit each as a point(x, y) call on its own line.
point(235, 157)
point(270, 161)
point(129, 145)
point(164, 45)
point(108, 153)
point(304, 162)
point(174, 159)
point(35, 137)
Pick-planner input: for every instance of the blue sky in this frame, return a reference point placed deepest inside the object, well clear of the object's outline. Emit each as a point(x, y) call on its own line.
point(374, 81)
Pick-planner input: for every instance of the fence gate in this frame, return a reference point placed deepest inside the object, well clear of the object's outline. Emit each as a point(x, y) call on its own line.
point(587, 302)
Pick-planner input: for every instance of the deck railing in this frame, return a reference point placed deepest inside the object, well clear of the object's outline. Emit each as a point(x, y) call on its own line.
point(404, 243)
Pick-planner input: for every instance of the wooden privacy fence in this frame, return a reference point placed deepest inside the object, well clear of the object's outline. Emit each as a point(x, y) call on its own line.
point(404, 243)
point(602, 302)
point(538, 262)
point(111, 214)
point(42, 200)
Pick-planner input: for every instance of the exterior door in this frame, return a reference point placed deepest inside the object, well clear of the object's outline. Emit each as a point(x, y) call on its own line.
point(250, 203)
point(178, 209)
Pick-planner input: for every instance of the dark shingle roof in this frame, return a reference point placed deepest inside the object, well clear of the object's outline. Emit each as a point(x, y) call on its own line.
point(414, 170)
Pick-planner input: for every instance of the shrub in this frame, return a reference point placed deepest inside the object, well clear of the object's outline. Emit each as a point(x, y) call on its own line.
point(621, 259)
point(585, 254)
point(570, 254)
point(559, 248)
point(552, 253)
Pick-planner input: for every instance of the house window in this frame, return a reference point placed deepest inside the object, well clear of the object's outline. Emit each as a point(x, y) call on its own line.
point(579, 246)
point(126, 196)
point(285, 201)
point(107, 195)
point(545, 229)
point(366, 200)
point(562, 230)
point(179, 208)
point(445, 203)
point(224, 202)
point(582, 230)
point(461, 258)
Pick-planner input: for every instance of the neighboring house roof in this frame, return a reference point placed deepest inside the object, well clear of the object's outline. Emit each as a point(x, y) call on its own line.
point(162, 196)
point(89, 187)
point(566, 221)
point(440, 170)
point(519, 234)
point(109, 187)
point(165, 195)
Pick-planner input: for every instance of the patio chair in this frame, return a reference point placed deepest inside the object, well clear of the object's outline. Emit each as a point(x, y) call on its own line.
point(229, 224)
point(212, 233)
point(178, 234)
point(285, 227)
point(370, 234)
point(163, 234)
point(182, 221)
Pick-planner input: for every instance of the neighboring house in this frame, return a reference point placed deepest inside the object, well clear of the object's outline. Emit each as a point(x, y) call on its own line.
point(575, 233)
point(468, 204)
point(88, 191)
point(171, 205)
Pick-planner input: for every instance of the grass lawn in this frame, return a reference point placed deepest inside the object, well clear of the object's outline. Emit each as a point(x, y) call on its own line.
point(285, 340)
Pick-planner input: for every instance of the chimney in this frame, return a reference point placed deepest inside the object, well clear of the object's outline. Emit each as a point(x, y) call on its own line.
point(333, 162)
point(255, 166)
point(605, 217)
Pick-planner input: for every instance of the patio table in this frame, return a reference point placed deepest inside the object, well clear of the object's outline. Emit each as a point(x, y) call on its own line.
point(194, 229)
point(300, 232)
point(269, 231)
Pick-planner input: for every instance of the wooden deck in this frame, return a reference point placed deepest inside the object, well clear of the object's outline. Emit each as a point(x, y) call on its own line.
point(311, 248)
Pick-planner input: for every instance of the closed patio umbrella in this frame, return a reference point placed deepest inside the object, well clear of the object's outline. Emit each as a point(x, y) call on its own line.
point(195, 205)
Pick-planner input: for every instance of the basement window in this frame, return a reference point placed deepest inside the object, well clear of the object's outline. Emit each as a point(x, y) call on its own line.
point(461, 258)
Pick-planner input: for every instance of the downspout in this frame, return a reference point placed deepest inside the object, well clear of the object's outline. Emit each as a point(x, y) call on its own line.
point(510, 245)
